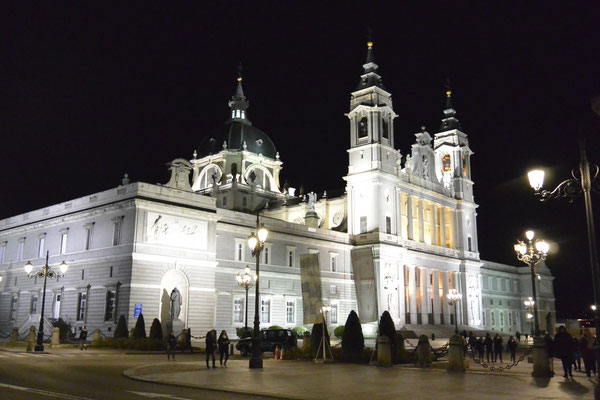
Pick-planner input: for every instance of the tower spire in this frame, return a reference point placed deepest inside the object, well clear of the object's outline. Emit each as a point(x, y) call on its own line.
point(449, 121)
point(370, 77)
point(238, 102)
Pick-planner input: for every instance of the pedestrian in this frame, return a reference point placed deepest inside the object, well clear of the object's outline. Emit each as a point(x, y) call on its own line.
point(498, 347)
point(211, 346)
point(551, 348)
point(489, 344)
point(511, 347)
point(171, 343)
point(576, 355)
point(563, 348)
point(518, 335)
point(83, 338)
point(188, 340)
point(223, 343)
point(586, 344)
point(526, 337)
point(480, 348)
point(473, 344)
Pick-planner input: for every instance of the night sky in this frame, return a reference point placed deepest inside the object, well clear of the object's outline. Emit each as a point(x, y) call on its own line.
point(91, 91)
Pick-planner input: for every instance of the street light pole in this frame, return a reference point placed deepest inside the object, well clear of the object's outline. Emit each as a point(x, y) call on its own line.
point(245, 281)
point(45, 272)
point(256, 244)
point(453, 298)
point(529, 303)
point(532, 254)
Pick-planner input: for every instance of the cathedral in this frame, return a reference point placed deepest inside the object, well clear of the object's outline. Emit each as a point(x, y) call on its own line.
point(129, 247)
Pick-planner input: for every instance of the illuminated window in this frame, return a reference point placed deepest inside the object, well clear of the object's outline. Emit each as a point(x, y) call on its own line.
point(446, 164)
point(333, 314)
point(265, 311)
point(290, 311)
point(20, 249)
point(41, 245)
point(362, 128)
point(109, 311)
point(238, 305)
point(464, 160)
point(63, 241)
point(81, 306)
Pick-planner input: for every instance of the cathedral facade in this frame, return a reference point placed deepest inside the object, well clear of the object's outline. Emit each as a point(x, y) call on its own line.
point(130, 246)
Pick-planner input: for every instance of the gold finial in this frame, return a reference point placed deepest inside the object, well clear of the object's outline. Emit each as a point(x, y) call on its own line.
point(448, 92)
point(369, 44)
point(239, 79)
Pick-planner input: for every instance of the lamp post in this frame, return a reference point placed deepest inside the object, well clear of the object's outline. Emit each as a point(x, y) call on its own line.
point(453, 298)
point(583, 181)
point(256, 244)
point(529, 307)
point(45, 272)
point(532, 253)
point(245, 281)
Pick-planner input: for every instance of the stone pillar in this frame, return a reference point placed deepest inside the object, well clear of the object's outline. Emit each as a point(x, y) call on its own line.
point(384, 352)
point(401, 297)
point(14, 337)
point(96, 337)
point(409, 216)
point(541, 362)
point(311, 219)
point(55, 341)
point(424, 355)
point(434, 225)
point(424, 296)
point(412, 291)
point(443, 225)
point(31, 339)
point(421, 222)
point(446, 306)
point(456, 361)
point(437, 310)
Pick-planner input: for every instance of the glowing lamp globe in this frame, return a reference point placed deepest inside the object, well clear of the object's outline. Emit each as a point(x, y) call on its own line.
point(529, 235)
point(262, 234)
point(536, 179)
point(252, 242)
point(542, 246)
point(28, 267)
point(63, 267)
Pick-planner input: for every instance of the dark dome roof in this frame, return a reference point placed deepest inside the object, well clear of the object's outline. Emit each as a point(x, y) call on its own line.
point(236, 132)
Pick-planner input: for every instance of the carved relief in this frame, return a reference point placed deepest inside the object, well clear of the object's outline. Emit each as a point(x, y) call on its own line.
point(169, 230)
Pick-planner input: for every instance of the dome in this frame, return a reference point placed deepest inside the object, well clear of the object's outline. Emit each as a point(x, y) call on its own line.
point(236, 132)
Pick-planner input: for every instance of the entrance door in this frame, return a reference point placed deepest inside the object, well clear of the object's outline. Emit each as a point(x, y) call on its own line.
point(57, 306)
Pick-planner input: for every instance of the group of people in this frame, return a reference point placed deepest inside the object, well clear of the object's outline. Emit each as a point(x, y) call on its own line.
point(212, 344)
point(487, 346)
point(571, 350)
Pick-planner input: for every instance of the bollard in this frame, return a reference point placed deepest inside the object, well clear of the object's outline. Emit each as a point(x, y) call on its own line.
point(31, 339)
point(541, 362)
point(432, 336)
point(306, 344)
point(14, 337)
point(55, 341)
point(231, 350)
point(96, 337)
point(424, 355)
point(384, 351)
point(456, 360)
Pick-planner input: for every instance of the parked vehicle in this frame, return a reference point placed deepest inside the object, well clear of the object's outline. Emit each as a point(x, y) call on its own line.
point(284, 338)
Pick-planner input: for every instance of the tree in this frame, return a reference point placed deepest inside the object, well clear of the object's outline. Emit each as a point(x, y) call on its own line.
point(156, 330)
point(353, 341)
point(139, 331)
point(121, 329)
point(387, 328)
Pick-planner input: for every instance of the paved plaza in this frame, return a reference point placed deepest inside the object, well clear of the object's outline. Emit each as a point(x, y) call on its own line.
point(309, 380)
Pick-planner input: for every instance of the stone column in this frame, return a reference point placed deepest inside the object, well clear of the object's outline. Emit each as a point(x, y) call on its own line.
point(446, 306)
point(409, 216)
point(55, 340)
point(434, 224)
point(436, 298)
point(456, 361)
point(401, 296)
point(412, 291)
point(421, 222)
point(443, 225)
point(424, 296)
point(541, 362)
point(455, 230)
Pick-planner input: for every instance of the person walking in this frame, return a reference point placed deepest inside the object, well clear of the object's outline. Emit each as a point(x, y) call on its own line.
point(576, 355)
point(526, 337)
point(498, 348)
point(518, 335)
point(211, 346)
point(480, 348)
point(563, 348)
point(171, 343)
point(188, 340)
point(511, 347)
point(223, 343)
point(586, 344)
point(473, 344)
point(83, 338)
point(489, 344)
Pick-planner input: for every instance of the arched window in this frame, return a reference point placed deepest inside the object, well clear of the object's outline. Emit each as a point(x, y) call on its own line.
point(385, 128)
point(362, 128)
point(260, 176)
point(464, 160)
point(446, 164)
point(208, 176)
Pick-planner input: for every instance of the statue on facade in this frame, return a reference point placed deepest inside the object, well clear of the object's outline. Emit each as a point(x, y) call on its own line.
point(175, 304)
point(312, 198)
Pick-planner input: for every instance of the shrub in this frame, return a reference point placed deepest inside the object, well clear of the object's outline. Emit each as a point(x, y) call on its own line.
point(299, 331)
point(244, 332)
point(139, 332)
point(297, 353)
point(316, 338)
point(156, 330)
point(121, 329)
point(353, 341)
point(363, 357)
point(64, 330)
point(274, 327)
point(339, 331)
point(386, 327)
point(134, 344)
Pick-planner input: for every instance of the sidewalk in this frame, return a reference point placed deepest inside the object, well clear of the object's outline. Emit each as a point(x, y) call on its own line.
point(308, 380)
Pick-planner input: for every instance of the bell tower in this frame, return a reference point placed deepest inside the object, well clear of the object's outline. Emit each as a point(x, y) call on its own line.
point(372, 158)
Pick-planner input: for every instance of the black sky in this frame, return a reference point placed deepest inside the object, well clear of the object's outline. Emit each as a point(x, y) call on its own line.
point(93, 90)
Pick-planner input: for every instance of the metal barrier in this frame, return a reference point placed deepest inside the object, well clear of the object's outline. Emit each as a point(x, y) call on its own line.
point(499, 369)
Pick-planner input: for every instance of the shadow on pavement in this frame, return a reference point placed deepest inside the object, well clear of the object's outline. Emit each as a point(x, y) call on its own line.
point(573, 387)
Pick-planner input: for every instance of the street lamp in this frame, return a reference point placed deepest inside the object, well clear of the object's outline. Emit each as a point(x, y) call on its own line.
point(453, 298)
point(256, 244)
point(532, 253)
point(45, 272)
point(529, 303)
point(245, 281)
